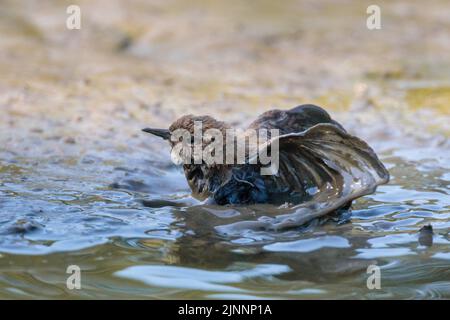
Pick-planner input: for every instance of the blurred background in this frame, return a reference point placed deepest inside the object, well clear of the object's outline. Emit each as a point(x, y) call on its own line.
point(75, 168)
point(136, 63)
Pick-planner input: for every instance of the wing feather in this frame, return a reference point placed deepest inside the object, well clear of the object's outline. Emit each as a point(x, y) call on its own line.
point(339, 166)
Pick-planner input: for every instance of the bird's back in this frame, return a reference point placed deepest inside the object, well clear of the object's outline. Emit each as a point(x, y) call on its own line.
point(297, 119)
point(317, 158)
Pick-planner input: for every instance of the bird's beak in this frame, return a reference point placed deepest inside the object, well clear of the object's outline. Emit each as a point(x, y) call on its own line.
point(163, 133)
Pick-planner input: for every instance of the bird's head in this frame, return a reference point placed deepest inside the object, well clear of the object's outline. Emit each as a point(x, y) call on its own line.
point(193, 125)
point(191, 130)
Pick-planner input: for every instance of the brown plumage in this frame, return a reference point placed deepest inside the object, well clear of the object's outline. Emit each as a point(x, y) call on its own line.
point(319, 160)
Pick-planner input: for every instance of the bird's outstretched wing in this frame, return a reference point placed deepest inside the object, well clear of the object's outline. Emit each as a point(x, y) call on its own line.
point(327, 158)
point(326, 166)
point(316, 157)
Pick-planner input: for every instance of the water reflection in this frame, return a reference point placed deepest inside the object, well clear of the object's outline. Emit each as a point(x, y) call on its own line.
point(197, 279)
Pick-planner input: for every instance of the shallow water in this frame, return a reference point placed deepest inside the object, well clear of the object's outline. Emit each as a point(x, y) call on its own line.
point(79, 184)
point(142, 236)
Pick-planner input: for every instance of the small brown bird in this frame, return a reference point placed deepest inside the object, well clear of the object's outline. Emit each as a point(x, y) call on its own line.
point(318, 159)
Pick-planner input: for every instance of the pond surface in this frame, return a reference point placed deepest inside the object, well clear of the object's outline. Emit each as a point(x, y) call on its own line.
point(143, 236)
point(80, 185)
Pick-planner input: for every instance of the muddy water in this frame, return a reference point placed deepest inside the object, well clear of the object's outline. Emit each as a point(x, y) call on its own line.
point(80, 185)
